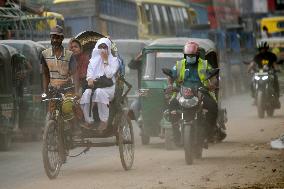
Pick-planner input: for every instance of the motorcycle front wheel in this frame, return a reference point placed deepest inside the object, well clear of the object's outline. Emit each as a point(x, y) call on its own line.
point(188, 143)
point(260, 105)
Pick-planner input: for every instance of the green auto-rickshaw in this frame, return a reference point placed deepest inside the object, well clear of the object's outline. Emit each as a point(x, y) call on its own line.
point(32, 111)
point(11, 73)
point(162, 53)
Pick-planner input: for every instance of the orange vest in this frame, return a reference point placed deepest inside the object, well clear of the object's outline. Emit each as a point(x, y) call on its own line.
point(58, 67)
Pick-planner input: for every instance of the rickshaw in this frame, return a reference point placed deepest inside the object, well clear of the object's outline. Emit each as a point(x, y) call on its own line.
point(163, 53)
point(10, 99)
point(59, 137)
point(33, 111)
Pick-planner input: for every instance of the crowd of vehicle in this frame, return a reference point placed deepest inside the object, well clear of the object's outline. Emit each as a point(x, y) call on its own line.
point(95, 86)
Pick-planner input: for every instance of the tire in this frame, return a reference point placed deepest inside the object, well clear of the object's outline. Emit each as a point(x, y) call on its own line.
point(145, 139)
point(260, 106)
point(270, 112)
point(5, 142)
point(51, 150)
point(188, 143)
point(169, 139)
point(199, 142)
point(126, 142)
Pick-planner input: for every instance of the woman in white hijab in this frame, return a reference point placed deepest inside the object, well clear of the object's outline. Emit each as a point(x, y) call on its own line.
point(101, 63)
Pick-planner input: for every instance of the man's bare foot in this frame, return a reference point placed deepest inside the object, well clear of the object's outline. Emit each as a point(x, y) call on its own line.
point(86, 125)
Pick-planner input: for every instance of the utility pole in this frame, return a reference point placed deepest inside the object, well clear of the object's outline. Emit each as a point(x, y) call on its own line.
point(97, 16)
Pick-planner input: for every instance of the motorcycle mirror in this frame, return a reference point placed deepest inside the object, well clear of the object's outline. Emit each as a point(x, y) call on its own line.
point(168, 72)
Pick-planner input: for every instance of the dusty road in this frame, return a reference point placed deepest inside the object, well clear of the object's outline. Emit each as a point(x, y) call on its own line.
point(243, 158)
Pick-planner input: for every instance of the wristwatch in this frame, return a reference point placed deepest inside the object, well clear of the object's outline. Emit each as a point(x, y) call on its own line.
point(105, 62)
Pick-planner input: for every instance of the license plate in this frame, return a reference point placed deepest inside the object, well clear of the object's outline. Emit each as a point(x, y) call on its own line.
point(187, 92)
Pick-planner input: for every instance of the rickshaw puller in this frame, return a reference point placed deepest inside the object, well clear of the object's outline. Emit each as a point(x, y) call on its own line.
point(58, 65)
point(192, 70)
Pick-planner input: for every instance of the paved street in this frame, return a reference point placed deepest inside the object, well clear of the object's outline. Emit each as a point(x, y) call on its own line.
point(243, 158)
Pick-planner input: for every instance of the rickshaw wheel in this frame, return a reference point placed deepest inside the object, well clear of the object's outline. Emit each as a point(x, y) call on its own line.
point(50, 151)
point(126, 142)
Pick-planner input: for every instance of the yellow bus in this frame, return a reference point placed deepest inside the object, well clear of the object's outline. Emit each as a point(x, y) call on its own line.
point(162, 18)
point(142, 19)
point(49, 20)
point(54, 19)
point(275, 25)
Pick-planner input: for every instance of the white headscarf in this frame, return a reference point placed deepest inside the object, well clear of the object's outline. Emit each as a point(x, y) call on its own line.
point(96, 61)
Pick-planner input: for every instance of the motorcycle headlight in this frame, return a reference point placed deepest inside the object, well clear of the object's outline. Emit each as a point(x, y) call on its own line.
point(256, 77)
point(188, 103)
point(265, 77)
point(67, 109)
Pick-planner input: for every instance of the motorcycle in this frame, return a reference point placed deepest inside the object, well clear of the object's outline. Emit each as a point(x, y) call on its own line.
point(265, 98)
point(191, 115)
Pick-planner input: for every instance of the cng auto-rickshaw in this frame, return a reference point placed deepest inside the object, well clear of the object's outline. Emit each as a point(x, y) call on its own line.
point(162, 53)
point(32, 113)
point(129, 49)
point(11, 74)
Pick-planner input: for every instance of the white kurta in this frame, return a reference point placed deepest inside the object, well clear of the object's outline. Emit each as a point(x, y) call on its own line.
point(96, 68)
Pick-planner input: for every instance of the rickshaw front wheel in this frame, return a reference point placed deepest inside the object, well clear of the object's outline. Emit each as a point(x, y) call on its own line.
point(51, 150)
point(126, 142)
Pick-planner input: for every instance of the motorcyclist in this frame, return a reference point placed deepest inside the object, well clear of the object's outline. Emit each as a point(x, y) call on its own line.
point(192, 71)
point(265, 59)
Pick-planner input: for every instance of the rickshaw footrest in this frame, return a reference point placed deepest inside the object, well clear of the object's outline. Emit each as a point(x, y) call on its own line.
point(100, 144)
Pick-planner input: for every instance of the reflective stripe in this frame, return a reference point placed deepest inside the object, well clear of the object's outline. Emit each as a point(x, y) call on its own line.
point(56, 75)
point(180, 67)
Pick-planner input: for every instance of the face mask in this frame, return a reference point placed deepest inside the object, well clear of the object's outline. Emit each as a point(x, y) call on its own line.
point(191, 60)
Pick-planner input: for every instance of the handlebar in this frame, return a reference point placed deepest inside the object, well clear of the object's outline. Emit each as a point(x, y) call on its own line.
point(49, 99)
point(55, 92)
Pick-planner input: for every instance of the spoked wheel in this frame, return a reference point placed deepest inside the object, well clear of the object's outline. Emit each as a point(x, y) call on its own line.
point(50, 152)
point(126, 142)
